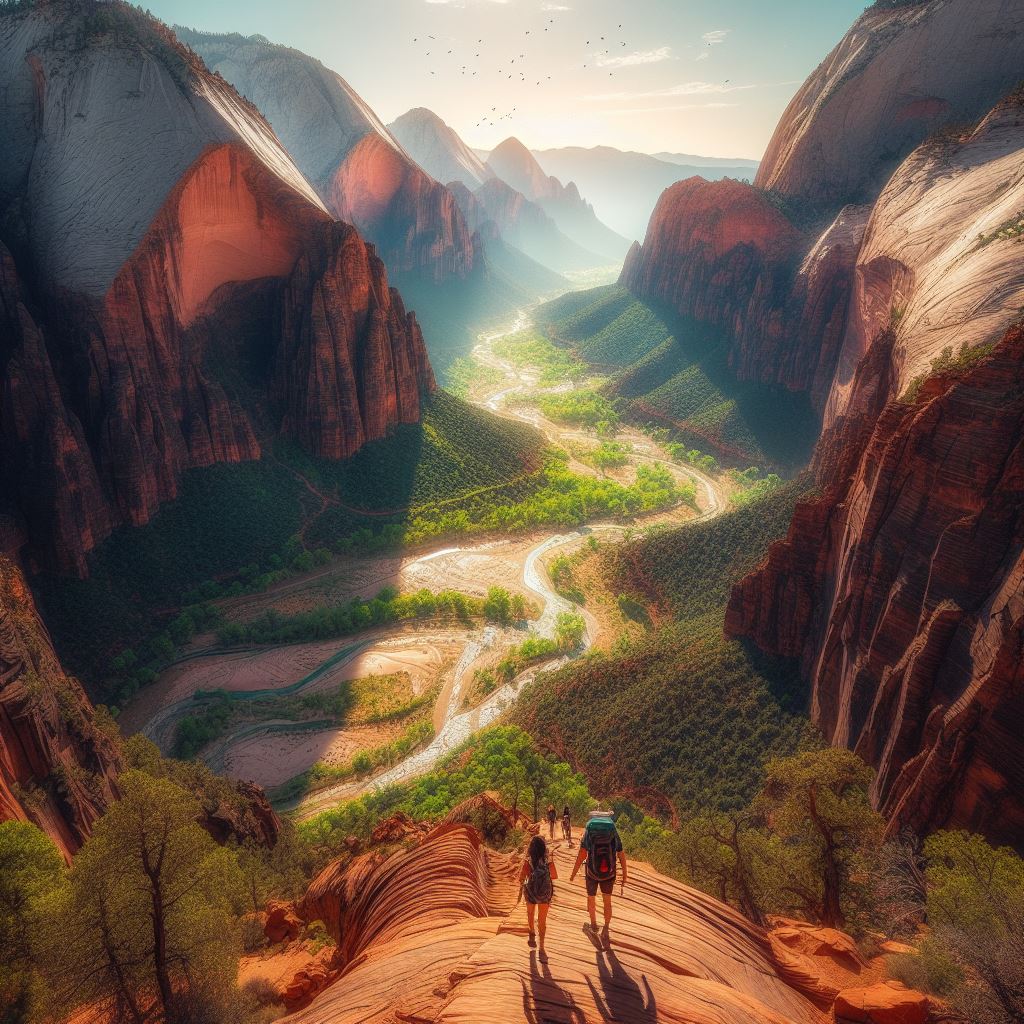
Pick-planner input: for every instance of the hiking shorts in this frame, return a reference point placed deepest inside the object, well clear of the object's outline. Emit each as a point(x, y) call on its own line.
point(606, 885)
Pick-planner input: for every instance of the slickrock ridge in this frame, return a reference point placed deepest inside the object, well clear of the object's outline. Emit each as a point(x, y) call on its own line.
point(432, 933)
point(158, 223)
point(362, 174)
point(898, 75)
point(514, 164)
point(58, 769)
point(438, 149)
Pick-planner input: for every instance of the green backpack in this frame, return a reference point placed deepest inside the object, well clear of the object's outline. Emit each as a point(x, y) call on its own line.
point(601, 836)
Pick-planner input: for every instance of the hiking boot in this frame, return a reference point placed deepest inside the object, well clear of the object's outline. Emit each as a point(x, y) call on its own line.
point(532, 940)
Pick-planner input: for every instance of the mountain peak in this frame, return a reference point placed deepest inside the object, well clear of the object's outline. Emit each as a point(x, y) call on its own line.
point(438, 149)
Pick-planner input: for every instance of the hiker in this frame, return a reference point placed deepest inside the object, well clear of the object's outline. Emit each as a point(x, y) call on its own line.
point(600, 847)
point(535, 877)
point(551, 821)
point(567, 825)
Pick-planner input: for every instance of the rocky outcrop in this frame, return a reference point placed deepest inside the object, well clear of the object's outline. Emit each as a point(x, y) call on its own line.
point(58, 767)
point(434, 933)
point(902, 72)
point(415, 223)
point(352, 362)
point(438, 149)
point(360, 171)
point(164, 240)
point(723, 253)
point(514, 164)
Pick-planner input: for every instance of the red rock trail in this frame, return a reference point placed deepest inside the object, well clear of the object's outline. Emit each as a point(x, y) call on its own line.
point(433, 934)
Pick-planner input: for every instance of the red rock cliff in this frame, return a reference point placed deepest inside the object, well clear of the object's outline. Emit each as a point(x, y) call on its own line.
point(901, 590)
point(57, 768)
point(167, 238)
point(723, 253)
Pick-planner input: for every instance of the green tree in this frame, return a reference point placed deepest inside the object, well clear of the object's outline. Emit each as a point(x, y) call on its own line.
point(30, 869)
point(822, 824)
point(976, 912)
point(498, 605)
point(146, 924)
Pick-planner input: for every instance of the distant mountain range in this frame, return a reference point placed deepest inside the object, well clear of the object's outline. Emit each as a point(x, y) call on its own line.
point(625, 186)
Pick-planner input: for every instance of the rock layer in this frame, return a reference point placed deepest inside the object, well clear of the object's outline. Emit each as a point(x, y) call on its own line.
point(57, 766)
point(433, 934)
point(165, 240)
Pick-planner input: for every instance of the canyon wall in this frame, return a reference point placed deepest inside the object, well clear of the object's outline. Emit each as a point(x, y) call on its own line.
point(164, 244)
point(58, 767)
point(899, 586)
point(358, 168)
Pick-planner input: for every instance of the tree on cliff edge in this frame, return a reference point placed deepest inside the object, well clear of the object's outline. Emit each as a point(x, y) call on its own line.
point(822, 827)
point(146, 921)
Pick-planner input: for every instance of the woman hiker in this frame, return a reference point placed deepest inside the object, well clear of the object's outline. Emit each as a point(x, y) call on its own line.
point(536, 876)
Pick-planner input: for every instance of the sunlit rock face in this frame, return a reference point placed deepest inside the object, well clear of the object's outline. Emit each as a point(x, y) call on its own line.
point(433, 932)
point(57, 767)
point(900, 589)
point(723, 253)
point(158, 234)
point(898, 75)
point(362, 174)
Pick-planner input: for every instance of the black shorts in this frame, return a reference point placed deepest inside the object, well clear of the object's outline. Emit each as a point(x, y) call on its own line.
point(606, 885)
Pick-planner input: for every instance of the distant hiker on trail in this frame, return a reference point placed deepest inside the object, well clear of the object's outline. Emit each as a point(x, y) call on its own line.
point(567, 825)
point(600, 848)
point(551, 820)
point(535, 877)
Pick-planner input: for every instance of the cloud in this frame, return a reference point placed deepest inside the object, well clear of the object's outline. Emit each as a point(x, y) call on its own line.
point(715, 37)
point(674, 106)
point(555, 7)
point(683, 89)
point(636, 57)
point(702, 56)
point(462, 3)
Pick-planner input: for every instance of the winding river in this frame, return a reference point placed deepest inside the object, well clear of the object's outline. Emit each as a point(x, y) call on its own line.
point(453, 725)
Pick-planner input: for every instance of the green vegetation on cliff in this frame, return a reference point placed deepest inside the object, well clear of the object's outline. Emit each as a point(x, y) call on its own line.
point(674, 374)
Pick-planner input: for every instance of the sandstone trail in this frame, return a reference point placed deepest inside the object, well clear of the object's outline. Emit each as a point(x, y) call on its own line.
point(432, 933)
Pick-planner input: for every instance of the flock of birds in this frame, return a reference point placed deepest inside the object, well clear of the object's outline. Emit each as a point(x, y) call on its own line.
point(512, 69)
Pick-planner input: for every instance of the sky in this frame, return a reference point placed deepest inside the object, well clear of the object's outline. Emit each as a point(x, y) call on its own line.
point(710, 77)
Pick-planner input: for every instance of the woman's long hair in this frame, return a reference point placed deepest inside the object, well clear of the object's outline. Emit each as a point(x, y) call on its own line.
point(537, 851)
point(565, 812)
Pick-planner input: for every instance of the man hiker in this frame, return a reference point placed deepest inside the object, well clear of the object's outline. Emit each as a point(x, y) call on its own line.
point(600, 849)
point(551, 820)
point(567, 825)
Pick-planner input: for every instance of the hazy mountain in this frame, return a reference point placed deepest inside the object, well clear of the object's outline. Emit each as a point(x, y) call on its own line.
point(624, 186)
point(438, 149)
point(516, 165)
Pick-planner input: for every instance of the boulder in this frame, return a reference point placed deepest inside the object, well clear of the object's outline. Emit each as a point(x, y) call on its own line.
point(885, 1003)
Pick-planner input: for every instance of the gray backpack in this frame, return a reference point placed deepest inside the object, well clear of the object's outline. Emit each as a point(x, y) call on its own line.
point(538, 886)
